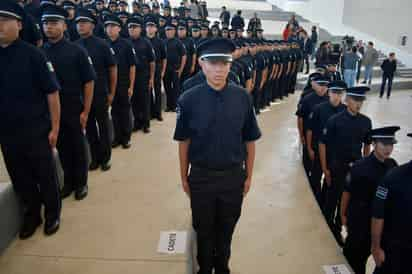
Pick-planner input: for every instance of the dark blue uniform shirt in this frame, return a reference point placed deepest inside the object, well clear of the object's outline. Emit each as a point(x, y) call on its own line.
point(145, 54)
point(307, 105)
point(361, 182)
point(73, 69)
point(344, 135)
point(393, 202)
point(25, 82)
point(125, 57)
point(318, 118)
point(218, 124)
point(103, 58)
point(175, 50)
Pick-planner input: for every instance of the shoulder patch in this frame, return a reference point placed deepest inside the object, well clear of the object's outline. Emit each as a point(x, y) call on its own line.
point(90, 60)
point(112, 51)
point(134, 51)
point(325, 131)
point(178, 112)
point(50, 66)
point(382, 193)
point(311, 115)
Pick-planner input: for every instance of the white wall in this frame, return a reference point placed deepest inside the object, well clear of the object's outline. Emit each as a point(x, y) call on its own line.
point(385, 20)
point(380, 21)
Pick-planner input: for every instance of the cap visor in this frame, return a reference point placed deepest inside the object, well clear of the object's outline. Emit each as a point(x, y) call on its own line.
point(222, 58)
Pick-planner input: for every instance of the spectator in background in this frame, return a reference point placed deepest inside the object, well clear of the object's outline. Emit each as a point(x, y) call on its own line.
point(350, 64)
point(294, 22)
point(254, 23)
point(314, 38)
point(307, 48)
point(225, 16)
point(369, 61)
point(389, 68)
point(322, 55)
point(361, 53)
point(194, 9)
point(287, 32)
point(203, 10)
point(237, 21)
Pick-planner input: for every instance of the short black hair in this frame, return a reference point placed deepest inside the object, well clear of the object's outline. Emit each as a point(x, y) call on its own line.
point(392, 54)
point(354, 49)
point(239, 12)
point(370, 43)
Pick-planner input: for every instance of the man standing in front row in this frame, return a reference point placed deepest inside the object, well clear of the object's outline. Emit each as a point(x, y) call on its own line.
point(29, 119)
point(76, 76)
point(104, 63)
point(216, 129)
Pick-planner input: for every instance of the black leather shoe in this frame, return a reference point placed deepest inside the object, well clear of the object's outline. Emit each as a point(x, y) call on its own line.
point(29, 227)
point(146, 130)
point(51, 226)
point(81, 193)
point(115, 144)
point(127, 145)
point(66, 191)
point(93, 166)
point(106, 166)
point(160, 119)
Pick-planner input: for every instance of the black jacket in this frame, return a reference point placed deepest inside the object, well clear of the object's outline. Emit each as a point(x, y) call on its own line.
point(388, 67)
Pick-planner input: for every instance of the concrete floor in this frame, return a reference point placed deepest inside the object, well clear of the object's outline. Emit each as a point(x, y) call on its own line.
point(116, 229)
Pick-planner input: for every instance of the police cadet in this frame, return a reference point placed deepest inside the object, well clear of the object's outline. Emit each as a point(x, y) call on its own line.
point(315, 124)
point(70, 7)
point(216, 129)
point(123, 16)
point(160, 67)
point(105, 67)
point(31, 31)
point(76, 76)
point(357, 198)
point(344, 140)
point(126, 71)
point(305, 108)
point(261, 75)
point(145, 71)
point(392, 222)
point(190, 47)
point(29, 118)
point(176, 61)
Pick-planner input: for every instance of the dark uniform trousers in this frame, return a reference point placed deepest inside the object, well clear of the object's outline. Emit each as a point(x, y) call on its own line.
point(141, 102)
point(172, 87)
point(397, 260)
point(316, 176)
point(121, 115)
point(339, 171)
point(32, 170)
point(307, 163)
point(257, 97)
point(156, 100)
point(98, 130)
point(216, 202)
point(72, 151)
point(358, 244)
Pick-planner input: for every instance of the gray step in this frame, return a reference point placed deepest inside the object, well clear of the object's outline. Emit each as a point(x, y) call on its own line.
point(10, 215)
point(396, 85)
point(263, 15)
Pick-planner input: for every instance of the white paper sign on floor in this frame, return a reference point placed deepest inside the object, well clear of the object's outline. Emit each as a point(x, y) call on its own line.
point(336, 269)
point(172, 242)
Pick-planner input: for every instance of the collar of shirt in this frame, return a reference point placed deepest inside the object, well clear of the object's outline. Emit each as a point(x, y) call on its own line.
point(55, 45)
point(11, 46)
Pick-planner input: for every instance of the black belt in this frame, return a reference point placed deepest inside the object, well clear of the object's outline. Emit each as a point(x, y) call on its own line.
point(217, 172)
